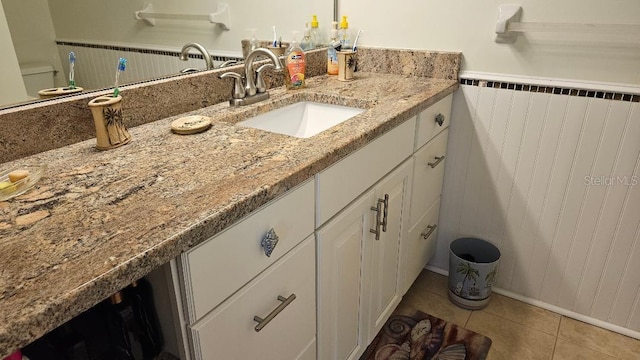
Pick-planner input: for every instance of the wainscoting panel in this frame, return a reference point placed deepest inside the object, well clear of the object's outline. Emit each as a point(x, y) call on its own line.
point(549, 172)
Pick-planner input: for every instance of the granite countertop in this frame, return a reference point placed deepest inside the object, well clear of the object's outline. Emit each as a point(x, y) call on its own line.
point(100, 219)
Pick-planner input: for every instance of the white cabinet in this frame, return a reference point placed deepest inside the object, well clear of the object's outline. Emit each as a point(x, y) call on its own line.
point(283, 297)
point(229, 280)
point(383, 268)
point(340, 262)
point(359, 250)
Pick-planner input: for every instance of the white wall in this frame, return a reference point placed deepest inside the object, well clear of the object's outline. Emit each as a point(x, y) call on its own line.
point(32, 33)
point(11, 87)
point(468, 26)
point(113, 22)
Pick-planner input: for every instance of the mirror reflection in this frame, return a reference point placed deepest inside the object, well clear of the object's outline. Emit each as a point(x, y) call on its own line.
point(37, 37)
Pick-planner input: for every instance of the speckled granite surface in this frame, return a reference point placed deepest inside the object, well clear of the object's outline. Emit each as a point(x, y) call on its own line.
point(100, 220)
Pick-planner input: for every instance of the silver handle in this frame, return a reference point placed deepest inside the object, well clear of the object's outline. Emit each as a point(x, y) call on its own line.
point(438, 161)
point(386, 212)
point(263, 322)
point(440, 119)
point(431, 228)
point(378, 210)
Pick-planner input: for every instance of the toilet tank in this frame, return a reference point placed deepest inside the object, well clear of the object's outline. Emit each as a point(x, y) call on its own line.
point(37, 77)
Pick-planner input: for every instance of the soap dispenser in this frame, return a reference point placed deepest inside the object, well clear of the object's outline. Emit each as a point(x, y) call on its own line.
point(332, 51)
point(343, 34)
point(295, 64)
point(316, 39)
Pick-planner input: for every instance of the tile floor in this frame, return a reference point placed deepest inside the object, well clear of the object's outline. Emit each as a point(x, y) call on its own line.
point(521, 331)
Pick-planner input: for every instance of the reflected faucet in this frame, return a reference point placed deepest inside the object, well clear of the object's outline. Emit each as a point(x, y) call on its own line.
point(184, 54)
point(254, 89)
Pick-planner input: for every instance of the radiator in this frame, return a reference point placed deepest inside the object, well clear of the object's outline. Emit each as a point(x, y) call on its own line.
point(549, 172)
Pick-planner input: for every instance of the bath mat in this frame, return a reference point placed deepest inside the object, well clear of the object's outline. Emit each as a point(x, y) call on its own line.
point(420, 336)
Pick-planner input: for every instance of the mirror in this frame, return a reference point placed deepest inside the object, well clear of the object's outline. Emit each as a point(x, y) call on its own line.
point(37, 36)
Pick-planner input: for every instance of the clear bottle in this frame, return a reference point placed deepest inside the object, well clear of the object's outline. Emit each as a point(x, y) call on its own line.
point(343, 34)
point(332, 54)
point(295, 64)
point(253, 42)
point(316, 37)
point(306, 44)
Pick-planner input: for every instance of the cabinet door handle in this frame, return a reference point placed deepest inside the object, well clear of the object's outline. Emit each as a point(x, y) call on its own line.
point(263, 322)
point(440, 119)
point(269, 242)
point(431, 229)
point(378, 210)
point(386, 212)
point(435, 163)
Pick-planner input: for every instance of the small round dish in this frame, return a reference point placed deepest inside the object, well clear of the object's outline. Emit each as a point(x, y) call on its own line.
point(191, 124)
point(10, 189)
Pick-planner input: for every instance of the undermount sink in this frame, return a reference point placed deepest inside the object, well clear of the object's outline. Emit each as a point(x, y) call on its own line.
point(303, 119)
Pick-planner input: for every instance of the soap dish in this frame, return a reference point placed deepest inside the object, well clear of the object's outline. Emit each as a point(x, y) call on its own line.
point(10, 189)
point(191, 124)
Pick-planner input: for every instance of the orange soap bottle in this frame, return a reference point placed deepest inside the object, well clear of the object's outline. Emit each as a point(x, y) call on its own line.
point(295, 64)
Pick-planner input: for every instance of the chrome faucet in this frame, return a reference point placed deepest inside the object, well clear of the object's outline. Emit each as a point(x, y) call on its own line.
point(184, 54)
point(254, 87)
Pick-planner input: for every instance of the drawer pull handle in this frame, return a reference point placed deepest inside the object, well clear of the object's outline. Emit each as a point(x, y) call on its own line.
point(431, 228)
point(438, 161)
point(440, 119)
point(263, 322)
point(269, 242)
point(378, 209)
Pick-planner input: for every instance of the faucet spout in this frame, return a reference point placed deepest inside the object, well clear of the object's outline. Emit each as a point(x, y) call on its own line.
point(250, 74)
point(205, 54)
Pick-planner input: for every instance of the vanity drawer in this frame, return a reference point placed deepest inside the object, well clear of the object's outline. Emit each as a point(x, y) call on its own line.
point(229, 331)
point(421, 243)
point(344, 181)
point(429, 121)
point(214, 270)
point(427, 179)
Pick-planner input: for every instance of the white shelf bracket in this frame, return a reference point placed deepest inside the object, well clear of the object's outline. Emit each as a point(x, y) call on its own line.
point(506, 14)
point(148, 8)
point(221, 17)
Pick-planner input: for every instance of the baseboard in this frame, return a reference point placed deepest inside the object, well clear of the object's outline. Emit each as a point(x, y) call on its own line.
point(541, 304)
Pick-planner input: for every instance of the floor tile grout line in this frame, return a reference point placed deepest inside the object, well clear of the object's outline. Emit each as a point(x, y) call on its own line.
point(555, 347)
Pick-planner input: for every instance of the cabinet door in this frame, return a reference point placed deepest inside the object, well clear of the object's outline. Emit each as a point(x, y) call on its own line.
point(339, 262)
point(283, 296)
point(382, 274)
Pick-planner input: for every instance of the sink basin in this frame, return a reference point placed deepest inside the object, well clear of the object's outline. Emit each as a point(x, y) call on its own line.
point(303, 119)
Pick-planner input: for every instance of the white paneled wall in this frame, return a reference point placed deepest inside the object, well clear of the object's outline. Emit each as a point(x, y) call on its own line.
point(96, 66)
point(552, 180)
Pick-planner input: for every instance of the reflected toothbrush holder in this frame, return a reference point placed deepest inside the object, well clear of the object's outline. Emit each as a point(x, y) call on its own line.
point(107, 116)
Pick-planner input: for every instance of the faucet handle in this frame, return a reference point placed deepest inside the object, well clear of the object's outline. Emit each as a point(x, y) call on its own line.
point(260, 84)
point(238, 91)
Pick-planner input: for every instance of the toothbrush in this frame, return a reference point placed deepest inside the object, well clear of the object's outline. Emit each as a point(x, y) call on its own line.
point(275, 37)
point(122, 64)
point(72, 65)
point(355, 42)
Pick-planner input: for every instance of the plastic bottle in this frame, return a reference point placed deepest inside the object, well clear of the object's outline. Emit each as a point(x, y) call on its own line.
point(253, 42)
point(343, 34)
point(332, 55)
point(295, 64)
point(306, 44)
point(316, 39)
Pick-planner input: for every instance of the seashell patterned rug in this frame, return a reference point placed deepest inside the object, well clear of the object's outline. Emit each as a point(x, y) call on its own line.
point(415, 335)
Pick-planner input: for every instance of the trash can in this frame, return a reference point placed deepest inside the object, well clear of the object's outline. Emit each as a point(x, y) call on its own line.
point(473, 266)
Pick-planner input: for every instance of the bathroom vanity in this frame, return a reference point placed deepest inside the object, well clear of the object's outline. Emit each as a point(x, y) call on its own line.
point(355, 209)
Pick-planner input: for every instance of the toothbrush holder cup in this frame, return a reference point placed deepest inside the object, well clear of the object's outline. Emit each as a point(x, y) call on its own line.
point(346, 65)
